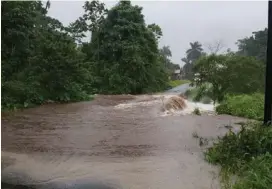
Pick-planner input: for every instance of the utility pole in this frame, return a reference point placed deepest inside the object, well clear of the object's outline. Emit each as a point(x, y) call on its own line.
point(268, 78)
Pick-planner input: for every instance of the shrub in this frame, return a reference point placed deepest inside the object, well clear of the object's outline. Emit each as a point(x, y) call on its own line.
point(234, 150)
point(249, 106)
point(248, 154)
point(257, 174)
point(200, 94)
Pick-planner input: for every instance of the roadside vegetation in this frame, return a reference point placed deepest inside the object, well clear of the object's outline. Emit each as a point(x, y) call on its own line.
point(44, 61)
point(246, 155)
point(175, 83)
point(234, 81)
point(248, 106)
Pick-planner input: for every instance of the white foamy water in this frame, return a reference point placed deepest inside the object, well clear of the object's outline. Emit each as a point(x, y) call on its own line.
point(149, 100)
point(191, 106)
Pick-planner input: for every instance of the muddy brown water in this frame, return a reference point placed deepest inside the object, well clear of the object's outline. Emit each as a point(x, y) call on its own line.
point(132, 147)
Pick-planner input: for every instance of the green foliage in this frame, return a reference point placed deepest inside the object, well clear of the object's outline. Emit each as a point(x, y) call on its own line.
point(165, 54)
point(176, 83)
point(200, 94)
point(126, 56)
point(195, 51)
point(230, 74)
point(192, 54)
point(246, 154)
point(256, 174)
point(249, 106)
point(40, 60)
point(254, 45)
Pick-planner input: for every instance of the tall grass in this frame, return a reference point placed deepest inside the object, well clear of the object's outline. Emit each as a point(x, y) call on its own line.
point(249, 106)
point(247, 154)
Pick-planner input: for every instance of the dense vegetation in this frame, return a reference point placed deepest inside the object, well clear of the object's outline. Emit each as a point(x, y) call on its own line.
point(42, 60)
point(175, 83)
point(219, 76)
point(235, 80)
point(247, 154)
point(249, 106)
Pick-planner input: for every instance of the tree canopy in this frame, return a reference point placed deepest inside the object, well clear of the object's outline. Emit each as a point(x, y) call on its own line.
point(42, 60)
point(230, 74)
point(254, 45)
point(192, 54)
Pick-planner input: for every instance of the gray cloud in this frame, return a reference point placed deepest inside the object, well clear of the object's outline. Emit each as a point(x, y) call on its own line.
point(186, 21)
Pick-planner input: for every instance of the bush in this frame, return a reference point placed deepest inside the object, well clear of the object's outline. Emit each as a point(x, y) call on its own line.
point(199, 94)
point(257, 174)
point(249, 106)
point(175, 83)
point(234, 150)
point(246, 154)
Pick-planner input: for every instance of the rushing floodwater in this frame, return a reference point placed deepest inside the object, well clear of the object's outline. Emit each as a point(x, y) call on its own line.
point(124, 140)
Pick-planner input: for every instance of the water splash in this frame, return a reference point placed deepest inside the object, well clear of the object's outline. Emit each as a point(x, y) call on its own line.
point(160, 99)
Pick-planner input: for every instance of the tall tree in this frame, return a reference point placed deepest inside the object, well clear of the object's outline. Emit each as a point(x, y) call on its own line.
point(166, 53)
point(40, 61)
point(165, 50)
point(254, 45)
point(187, 69)
point(195, 51)
point(126, 53)
point(230, 74)
point(192, 54)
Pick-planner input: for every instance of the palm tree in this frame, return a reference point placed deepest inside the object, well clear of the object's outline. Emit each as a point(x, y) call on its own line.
point(187, 68)
point(48, 4)
point(165, 51)
point(186, 60)
point(195, 51)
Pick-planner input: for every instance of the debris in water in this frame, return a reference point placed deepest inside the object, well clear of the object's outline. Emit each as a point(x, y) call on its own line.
point(174, 103)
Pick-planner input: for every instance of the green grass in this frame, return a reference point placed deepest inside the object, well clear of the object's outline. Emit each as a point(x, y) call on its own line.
point(175, 83)
point(247, 154)
point(248, 106)
point(16, 106)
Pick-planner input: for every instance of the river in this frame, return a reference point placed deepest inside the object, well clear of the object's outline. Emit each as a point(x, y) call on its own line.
point(121, 141)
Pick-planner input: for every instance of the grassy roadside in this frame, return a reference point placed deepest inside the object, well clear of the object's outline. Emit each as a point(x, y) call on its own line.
point(247, 155)
point(248, 106)
point(175, 83)
point(16, 107)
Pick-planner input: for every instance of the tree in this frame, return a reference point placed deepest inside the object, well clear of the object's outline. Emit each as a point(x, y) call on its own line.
point(195, 51)
point(230, 74)
point(254, 45)
point(126, 53)
point(165, 51)
point(156, 30)
point(215, 46)
point(40, 61)
point(165, 54)
point(192, 54)
point(187, 69)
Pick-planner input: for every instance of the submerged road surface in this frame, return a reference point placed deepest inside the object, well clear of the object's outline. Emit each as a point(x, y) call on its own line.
point(124, 140)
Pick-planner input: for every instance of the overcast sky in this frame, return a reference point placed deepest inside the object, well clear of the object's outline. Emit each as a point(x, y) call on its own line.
point(183, 22)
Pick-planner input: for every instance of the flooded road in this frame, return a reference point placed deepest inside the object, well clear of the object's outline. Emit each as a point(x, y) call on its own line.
point(125, 141)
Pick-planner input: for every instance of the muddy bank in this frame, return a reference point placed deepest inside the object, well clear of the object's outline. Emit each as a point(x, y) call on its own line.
point(122, 140)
